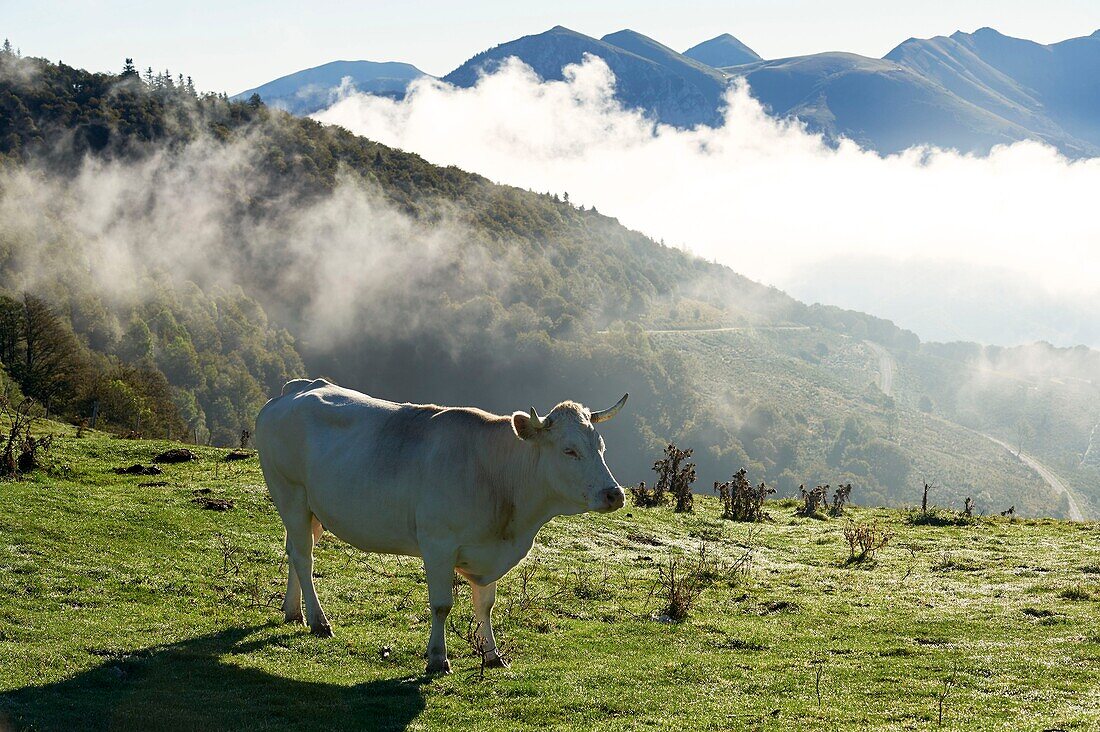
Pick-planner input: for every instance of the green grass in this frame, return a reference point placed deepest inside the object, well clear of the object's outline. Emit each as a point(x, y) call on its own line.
point(130, 607)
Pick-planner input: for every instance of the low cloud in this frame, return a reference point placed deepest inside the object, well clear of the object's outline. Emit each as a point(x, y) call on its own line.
point(345, 267)
point(770, 199)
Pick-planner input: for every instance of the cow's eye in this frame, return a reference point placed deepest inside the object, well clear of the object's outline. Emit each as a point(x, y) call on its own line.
point(571, 453)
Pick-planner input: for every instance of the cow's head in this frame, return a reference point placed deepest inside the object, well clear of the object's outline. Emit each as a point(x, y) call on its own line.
point(572, 454)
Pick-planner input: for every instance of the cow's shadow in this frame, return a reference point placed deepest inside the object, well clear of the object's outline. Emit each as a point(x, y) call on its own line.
point(195, 684)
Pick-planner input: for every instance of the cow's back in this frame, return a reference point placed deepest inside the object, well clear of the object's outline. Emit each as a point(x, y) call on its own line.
point(368, 467)
point(313, 420)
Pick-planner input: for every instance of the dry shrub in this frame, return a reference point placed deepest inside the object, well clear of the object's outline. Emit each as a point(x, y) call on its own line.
point(813, 500)
point(647, 497)
point(682, 579)
point(841, 498)
point(740, 500)
point(675, 476)
point(864, 540)
point(20, 449)
point(680, 585)
point(242, 582)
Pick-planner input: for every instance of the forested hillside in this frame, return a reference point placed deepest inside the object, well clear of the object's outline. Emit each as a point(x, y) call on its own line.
point(189, 254)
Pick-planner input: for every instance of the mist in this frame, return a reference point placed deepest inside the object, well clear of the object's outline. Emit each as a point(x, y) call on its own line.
point(345, 267)
point(778, 204)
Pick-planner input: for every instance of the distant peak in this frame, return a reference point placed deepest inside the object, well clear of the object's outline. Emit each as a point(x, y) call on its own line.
point(983, 31)
point(626, 33)
point(722, 50)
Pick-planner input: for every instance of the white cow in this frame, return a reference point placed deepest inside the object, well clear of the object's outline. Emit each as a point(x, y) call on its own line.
point(462, 488)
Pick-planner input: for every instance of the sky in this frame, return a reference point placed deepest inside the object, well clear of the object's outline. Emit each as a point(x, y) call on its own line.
point(233, 46)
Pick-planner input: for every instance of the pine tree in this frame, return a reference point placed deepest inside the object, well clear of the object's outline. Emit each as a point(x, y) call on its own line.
point(129, 70)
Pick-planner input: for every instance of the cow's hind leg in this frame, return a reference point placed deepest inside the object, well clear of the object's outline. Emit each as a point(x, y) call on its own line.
point(292, 602)
point(302, 529)
point(439, 568)
point(484, 596)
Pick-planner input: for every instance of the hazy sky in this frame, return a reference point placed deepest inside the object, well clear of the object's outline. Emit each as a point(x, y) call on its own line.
point(231, 46)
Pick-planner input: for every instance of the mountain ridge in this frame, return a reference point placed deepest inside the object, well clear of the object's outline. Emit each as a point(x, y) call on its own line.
point(967, 91)
point(313, 89)
point(674, 89)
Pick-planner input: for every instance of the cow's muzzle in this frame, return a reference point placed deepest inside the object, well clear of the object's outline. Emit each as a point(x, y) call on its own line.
point(611, 499)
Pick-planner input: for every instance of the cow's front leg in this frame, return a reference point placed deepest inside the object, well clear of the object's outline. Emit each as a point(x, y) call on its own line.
point(439, 567)
point(484, 596)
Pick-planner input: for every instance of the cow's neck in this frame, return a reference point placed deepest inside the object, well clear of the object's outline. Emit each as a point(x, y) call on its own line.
point(534, 500)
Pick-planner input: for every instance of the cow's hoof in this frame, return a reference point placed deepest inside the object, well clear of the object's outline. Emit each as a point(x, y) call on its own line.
point(324, 630)
point(496, 661)
point(439, 666)
point(294, 620)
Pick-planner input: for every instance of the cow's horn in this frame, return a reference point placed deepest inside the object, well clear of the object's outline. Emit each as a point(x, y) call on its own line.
point(606, 414)
point(536, 420)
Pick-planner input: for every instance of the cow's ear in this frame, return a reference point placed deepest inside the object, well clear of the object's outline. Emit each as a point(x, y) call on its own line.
point(526, 426)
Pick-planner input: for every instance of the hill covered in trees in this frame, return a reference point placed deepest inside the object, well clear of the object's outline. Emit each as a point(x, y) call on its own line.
point(189, 254)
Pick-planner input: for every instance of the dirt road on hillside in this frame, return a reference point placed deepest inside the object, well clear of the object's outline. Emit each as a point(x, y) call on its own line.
point(732, 329)
point(1075, 513)
point(887, 367)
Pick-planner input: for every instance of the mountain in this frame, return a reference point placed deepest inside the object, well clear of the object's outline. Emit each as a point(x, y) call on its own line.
point(1051, 90)
point(307, 91)
point(675, 89)
point(723, 50)
point(309, 245)
point(969, 91)
point(880, 104)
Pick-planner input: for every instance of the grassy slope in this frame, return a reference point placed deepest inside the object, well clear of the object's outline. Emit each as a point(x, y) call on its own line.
point(121, 610)
point(1063, 412)
point(779, 367)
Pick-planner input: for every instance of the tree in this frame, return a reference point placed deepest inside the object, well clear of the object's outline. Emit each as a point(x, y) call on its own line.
point(137, 342)
point(11, 329)
point(851, 434)
point(50, 359)
point(129, 71)
point(1025, 433)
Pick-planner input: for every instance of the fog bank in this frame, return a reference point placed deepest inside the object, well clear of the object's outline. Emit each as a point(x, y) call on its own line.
point(775, 202)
